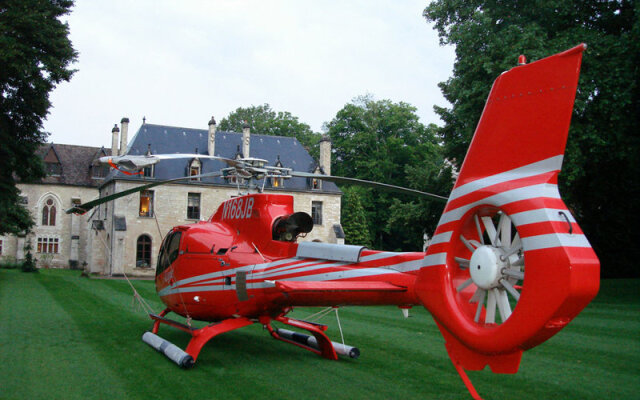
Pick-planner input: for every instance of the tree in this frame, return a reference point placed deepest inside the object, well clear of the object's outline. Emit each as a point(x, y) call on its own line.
point(385, 142)
point(265, 121)
point(36, 52)
point(354, 219)
point(600, 176)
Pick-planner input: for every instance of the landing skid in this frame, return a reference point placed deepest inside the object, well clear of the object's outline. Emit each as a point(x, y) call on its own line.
point(199, 337)
point(318, 343)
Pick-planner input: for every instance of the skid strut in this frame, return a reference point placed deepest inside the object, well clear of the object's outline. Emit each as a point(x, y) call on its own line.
point(319, 343)
point(199, 337)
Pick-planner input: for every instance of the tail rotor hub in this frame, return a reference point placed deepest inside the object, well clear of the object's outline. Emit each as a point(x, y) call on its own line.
point(490, 279)
point(486, 267)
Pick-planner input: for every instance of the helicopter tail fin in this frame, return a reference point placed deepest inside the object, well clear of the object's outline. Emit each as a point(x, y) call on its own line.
point(508, 265)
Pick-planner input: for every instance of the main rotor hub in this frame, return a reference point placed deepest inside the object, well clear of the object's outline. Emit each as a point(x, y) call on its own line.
point(485, 267)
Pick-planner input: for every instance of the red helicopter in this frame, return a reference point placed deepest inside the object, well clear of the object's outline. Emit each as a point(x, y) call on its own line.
point(507, 267)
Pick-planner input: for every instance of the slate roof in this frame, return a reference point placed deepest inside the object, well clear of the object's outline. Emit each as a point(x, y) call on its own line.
point(164, 139)
point(76, 163)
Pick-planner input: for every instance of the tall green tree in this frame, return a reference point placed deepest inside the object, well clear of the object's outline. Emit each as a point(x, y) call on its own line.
point(600, 176)
point(383, 141)
point(354, 219)
point(264, 120)
point(35, 53)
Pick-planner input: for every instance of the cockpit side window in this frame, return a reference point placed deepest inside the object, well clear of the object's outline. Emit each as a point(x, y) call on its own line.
point(173, 247)
point(162, 265)
point(169, 251)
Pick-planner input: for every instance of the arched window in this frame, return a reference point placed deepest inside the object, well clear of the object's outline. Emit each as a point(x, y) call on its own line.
point(143, 252)
point(49, 213)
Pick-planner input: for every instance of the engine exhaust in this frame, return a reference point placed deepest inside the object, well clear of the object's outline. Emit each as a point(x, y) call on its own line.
point(171, 351)
point(308, 340)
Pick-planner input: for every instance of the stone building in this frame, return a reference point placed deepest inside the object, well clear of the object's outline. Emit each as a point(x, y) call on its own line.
point(124, 235)
point(58, 239)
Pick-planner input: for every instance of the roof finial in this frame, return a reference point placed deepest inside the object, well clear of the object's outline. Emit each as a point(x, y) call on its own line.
point(148, 149)
point(144, 120)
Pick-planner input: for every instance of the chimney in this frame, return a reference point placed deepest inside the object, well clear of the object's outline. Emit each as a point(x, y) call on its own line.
point(246, 139)
point(325, 154)
point(114, 140)
point(123, 138)
point(212, 136)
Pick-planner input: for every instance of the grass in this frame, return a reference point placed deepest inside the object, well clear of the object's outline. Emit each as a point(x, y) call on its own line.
point(67, 337)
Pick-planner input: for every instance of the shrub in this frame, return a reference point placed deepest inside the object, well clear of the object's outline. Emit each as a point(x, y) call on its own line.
point(29, 263)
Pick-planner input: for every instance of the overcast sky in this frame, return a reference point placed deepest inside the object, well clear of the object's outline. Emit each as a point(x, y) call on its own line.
point(180, 62)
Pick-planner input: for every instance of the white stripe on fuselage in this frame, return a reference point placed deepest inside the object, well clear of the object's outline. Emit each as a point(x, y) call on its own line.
point(217, 277)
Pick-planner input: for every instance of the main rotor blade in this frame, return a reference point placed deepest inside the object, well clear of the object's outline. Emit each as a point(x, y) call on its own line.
point(83, 208)
point(141, 161)
point(361, 182)
point(230, 162)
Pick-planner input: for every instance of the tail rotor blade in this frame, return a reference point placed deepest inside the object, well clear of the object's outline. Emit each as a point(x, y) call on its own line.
point(491, 229)
point(503, 304)
point(464, 285)
point(477, 221)
point(490, 317)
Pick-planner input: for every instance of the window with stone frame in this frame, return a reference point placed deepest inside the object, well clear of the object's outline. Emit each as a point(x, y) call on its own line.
point(143, 251)
point(316, 212)
point(146, 203)
point(49, 212)
point(48, 245)
point(193, 206)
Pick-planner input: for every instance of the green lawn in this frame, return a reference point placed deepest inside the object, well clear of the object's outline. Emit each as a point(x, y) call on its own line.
point(67, 337)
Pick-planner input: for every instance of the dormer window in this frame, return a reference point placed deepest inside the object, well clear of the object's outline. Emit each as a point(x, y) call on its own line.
point(52, 164)
point(53, 169)
point(315, 183)
point(99, 171)
point(277, 182)
point(148, 172)
point(229, 178)
point(194, 169)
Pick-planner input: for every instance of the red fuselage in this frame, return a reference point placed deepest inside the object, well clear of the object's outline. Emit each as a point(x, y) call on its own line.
point(231, 265)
